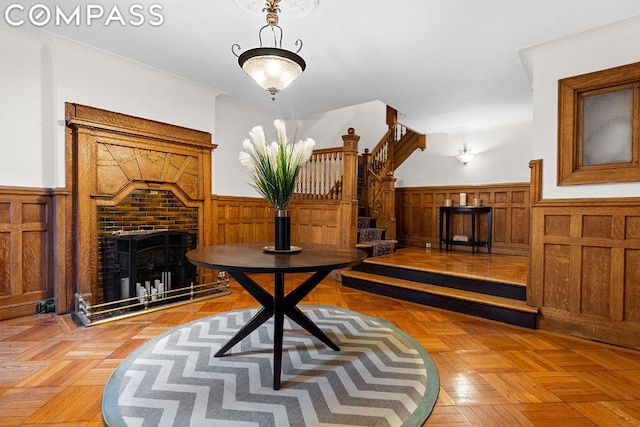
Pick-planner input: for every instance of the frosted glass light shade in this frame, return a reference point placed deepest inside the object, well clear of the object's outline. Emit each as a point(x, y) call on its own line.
point(272, 68)
point(465, 156)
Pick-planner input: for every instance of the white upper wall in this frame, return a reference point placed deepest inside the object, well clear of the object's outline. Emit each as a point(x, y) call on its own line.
point(233, 123)
point(368, 120)
point(594, 50)
point(25, 158)
point(503, 152)
point(48, 71)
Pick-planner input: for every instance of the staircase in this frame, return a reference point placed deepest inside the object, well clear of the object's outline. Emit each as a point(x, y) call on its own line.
point(503, 302)
point(376, 181)
point(372, 239)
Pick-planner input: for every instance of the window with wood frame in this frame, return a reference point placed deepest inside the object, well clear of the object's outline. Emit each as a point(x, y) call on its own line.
point(599, 127)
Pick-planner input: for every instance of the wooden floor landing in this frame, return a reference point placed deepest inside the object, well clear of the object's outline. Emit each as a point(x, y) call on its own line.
point(493, 267)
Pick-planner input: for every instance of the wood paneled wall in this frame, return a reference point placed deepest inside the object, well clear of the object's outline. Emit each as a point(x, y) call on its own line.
point(417, 215)
point(584, 271)
point(26, 236)
point(248, 219)
point(241, 220)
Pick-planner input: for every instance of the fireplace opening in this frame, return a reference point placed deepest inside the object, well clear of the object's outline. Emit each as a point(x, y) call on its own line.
point(148, 265)
point(141, 258)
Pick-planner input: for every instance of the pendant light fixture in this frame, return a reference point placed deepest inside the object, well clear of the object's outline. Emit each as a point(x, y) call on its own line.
point(465, 155)
point(273, 68)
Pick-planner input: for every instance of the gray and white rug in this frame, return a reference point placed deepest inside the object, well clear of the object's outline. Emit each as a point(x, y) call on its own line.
point(380, 377)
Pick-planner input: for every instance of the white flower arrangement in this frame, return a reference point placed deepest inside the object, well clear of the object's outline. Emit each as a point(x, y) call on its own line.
point(274, 166)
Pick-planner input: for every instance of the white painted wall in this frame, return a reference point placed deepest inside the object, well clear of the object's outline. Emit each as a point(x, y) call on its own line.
point(25, 160)
point(545, 64)
point(368, 120)
point(233, 123)
point(45, 72)
point(503, 152)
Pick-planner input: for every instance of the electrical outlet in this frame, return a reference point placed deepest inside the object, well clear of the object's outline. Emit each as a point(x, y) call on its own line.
point(427, 245)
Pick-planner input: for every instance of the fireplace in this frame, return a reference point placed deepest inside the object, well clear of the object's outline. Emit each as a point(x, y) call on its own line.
point(135, 186)
point(149, 265)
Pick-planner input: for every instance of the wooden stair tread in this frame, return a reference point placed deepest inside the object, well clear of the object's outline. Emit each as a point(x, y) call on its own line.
point(368, 244)
point(444, 291)
point(393, 263)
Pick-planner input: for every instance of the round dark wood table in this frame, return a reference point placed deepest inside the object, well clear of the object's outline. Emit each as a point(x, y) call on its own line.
point(239, 260)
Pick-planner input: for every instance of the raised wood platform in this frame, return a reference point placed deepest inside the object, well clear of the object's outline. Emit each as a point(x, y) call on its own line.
point(483, 285)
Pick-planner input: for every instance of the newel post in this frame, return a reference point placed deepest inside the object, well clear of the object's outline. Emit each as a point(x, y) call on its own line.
point(387, 219)
point(365, 202)
point(349, 202)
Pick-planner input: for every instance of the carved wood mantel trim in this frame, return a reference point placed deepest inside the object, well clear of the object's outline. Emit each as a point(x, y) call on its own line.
point(108, 155)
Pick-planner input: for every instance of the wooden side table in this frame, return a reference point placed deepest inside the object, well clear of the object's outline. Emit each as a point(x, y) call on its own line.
point(445, 226)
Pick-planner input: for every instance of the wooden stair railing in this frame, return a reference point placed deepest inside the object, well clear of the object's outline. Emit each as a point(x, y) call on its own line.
point(409, 142)
point(330, 177)
point(322, 176)
point(378, 181)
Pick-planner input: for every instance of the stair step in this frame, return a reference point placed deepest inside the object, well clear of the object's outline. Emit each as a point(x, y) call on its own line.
point(451, 279)
point(371, 234)
point(376, 248)
point(371, 243)
point(366, 222)
point(439, 290)
point(498, 308)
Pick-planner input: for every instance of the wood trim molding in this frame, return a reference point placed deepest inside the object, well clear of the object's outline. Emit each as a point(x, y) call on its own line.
point(78, 115)
point(571, 92)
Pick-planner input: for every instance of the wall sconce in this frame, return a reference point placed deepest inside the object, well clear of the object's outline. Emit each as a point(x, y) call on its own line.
point(465, 155)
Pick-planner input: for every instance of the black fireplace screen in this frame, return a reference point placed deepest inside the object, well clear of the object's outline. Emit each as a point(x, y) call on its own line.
point(147, 264)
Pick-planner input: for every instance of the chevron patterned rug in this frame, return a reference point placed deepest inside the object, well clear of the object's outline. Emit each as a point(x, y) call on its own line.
point(380, 377)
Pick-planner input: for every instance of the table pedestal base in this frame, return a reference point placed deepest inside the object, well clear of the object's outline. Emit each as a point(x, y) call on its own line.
point(278, 305)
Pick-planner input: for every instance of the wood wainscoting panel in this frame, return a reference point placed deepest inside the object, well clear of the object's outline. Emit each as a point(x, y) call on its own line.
point(520, 218)
point(315, 221)
point(417, 215)
point(556, 270)
point(5, 263)
point(597, 226)
point(241, 220)
point(250, 220)
point(632, 227)
point(596, 283)
point(584, 275)
point(26, 250)
point(631, 310)
point(557, 225)
point(501, 224)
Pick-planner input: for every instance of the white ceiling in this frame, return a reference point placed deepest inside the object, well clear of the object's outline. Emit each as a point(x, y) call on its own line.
point(442, 64)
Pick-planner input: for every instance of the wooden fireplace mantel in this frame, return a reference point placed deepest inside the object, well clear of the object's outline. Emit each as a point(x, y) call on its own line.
point(108, 155)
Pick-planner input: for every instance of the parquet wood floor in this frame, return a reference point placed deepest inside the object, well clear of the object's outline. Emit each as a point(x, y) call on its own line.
point(53, 373)
point(498, 268)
